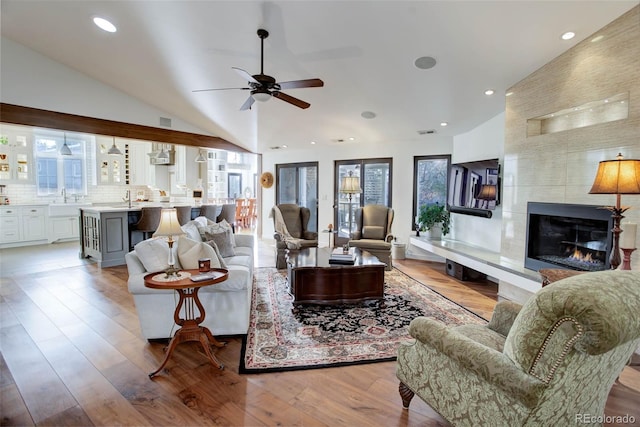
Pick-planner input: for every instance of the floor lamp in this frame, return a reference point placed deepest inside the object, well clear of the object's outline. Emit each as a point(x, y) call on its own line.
point(620, 176)
point(350, 185)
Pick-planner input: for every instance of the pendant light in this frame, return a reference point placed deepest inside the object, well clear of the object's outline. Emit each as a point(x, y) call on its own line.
point(200, 158)
point(163, 155)
point(114, 150)
point(65, 150)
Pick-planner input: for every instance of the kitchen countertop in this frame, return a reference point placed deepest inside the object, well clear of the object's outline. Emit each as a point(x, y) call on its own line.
point(125, 207)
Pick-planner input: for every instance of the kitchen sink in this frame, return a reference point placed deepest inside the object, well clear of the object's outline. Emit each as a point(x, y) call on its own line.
point(66, 209)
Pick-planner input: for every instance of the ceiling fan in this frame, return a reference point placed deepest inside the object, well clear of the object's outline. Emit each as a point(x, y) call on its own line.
point(263, 87)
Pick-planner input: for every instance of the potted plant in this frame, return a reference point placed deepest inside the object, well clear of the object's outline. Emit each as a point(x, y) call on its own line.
point(436, 219)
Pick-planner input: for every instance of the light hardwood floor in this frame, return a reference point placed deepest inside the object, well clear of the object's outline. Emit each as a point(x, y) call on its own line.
point(72, 354)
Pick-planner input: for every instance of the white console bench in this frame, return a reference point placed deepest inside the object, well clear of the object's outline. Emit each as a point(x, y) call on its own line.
point(512, 277)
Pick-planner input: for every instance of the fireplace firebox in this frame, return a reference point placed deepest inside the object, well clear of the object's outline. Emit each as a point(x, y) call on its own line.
point(575, 237)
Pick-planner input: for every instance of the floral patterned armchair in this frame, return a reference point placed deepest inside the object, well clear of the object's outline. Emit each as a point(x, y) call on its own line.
point(546, 363)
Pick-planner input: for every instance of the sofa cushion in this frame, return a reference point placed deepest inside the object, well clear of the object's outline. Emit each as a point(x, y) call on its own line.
point(372, 232)
point(223, 241)
point(237, 280)
point(216, 227)
point(191, 230)
point(154, 254)
point(190, 251)
point(221, 260)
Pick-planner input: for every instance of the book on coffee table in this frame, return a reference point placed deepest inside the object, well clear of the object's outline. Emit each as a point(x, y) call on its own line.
point(338, 256)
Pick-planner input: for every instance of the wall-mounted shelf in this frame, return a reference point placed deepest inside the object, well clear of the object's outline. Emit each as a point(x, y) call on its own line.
point(613, 108)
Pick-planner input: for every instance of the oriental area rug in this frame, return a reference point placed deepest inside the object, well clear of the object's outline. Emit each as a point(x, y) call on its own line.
point(321, 336)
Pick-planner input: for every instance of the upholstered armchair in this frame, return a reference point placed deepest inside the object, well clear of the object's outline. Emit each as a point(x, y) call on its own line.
point(373, 231)
point(290, 225)
point(546, 363)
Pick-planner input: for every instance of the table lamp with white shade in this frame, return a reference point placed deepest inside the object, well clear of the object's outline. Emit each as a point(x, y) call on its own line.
point(170, 227)
point(350, 185)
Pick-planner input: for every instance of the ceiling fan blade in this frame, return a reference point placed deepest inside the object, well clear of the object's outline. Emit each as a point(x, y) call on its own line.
point(247, 104)
point(295, 84)
point(222, 88)
point(291, 100)
point(245, 75)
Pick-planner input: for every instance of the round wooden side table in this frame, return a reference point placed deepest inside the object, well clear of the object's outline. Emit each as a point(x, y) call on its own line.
point(190, 329)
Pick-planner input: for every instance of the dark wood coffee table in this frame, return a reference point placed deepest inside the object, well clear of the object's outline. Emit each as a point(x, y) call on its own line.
point(312, 280)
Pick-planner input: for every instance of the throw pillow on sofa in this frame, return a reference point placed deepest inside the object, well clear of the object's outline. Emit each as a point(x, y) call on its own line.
point(222, 234)
point(223, 242)
point(154, 254)
point(191, 230)
point(223, 264)
point(217, 227)
point(190, 251)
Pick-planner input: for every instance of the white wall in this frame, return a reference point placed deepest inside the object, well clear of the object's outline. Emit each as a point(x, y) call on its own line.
point(484, 142)
point(402, 153)
point(28, 78)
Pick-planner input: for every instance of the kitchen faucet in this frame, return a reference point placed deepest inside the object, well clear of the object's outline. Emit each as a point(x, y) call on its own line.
point(127, 197)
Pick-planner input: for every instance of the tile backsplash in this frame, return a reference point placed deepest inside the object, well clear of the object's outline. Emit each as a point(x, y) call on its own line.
point(20, 194)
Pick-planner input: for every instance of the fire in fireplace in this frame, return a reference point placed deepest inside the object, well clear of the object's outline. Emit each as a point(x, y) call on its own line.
point(576, 237)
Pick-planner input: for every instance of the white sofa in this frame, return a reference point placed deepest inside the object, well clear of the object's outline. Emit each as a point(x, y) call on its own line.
point(226, 304)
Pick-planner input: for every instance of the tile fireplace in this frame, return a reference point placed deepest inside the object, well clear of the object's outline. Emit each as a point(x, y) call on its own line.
point(576, 237)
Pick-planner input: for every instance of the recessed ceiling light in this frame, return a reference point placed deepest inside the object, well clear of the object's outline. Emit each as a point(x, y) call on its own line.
point(425, 62)
point(351, 138)
point(597, 38)
point(284, 146)
point(313, 143)
point(508, 94)
point(568, 35)
point(104, 25)
point(368, 115)
point(443, 123)
point(489, 92)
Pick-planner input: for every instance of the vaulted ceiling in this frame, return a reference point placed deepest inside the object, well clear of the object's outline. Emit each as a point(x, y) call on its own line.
point(364, 51)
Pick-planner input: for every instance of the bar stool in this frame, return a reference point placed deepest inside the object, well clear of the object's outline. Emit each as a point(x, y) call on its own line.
point(228, 213)
point(149, 221)
point(211, 211)
point(184, 214)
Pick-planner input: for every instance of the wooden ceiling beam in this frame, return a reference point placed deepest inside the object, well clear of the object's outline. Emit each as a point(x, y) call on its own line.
point(29, 116)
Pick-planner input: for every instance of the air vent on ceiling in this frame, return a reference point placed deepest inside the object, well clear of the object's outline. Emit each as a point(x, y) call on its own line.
point(275, 147)
point(426, 132)
point(165, 121)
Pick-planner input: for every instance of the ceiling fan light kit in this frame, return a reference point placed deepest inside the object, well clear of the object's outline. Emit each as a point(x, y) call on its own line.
point(261, 95)
point(264, 87)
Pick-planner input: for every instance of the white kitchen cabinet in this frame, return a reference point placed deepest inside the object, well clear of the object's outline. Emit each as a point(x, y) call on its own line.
point(23, 225)
point(9, 225)
point(112, 168)
point(185, 172)
point(34, 223)
point(141, 172)
point(16, 157)
point(64, 228)
point(217, 175)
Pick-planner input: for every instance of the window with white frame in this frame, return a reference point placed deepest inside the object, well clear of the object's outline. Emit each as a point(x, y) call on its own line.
point(54, 171)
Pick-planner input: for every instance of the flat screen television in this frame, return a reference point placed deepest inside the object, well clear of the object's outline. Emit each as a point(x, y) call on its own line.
point(474, 187)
